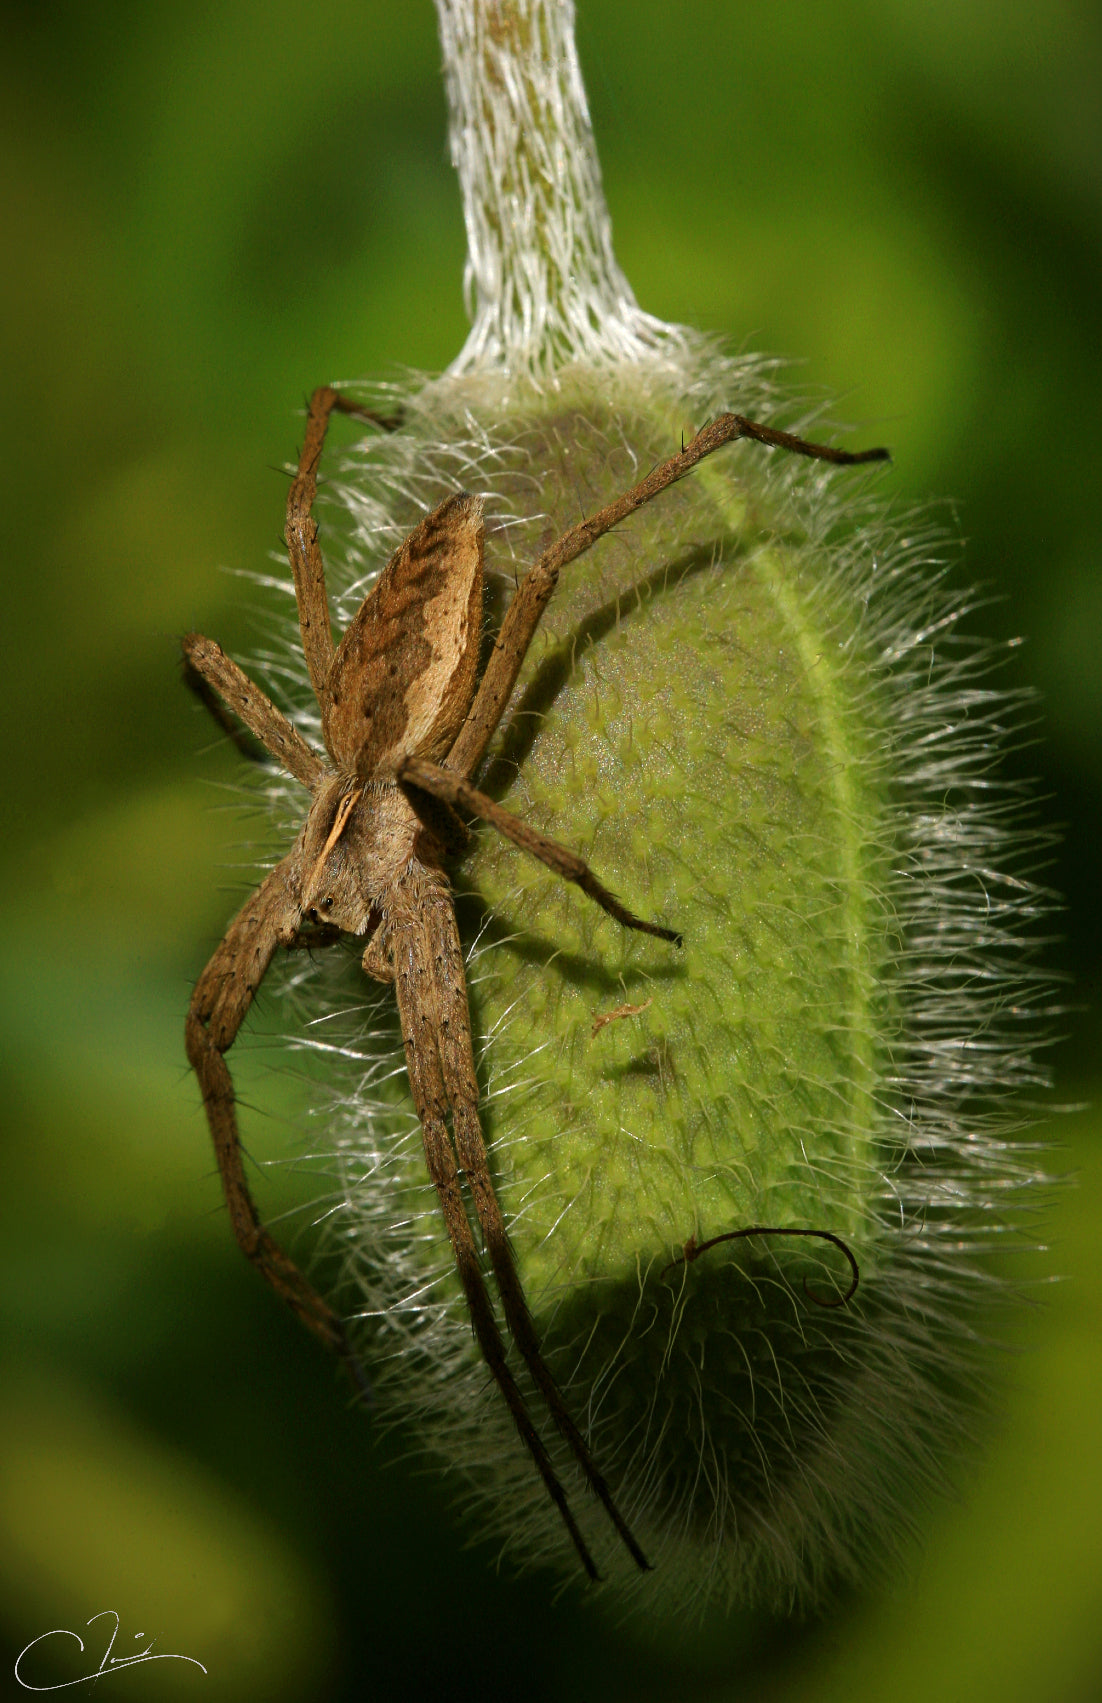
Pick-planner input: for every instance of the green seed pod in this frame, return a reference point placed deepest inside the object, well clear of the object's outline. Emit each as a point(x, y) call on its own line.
point(743, 710)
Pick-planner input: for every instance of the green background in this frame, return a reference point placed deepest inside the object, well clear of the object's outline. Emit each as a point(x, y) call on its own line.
point(208, 209)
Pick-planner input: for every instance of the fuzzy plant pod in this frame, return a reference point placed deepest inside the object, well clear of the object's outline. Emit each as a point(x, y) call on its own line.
point(749, 711)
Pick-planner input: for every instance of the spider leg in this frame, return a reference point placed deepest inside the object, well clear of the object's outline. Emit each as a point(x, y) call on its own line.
point(213, 668)
point(248, 747)
point(410, 946)
point(535, 590)
point(431, 778)
point(222, 997)
point(301, 531)
point(453, 1038)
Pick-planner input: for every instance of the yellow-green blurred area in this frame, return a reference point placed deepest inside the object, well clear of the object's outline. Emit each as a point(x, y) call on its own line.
point(208, 209)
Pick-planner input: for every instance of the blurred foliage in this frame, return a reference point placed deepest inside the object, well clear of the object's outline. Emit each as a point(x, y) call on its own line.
point(210, 209)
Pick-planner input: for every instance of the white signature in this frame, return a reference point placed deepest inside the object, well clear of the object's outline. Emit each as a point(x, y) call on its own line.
point(109, 1664)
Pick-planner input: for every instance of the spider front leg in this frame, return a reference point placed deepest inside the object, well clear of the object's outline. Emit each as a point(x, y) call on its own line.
point(461, 1086)
point(422, 952)
point(404, 954)
point(222, 997)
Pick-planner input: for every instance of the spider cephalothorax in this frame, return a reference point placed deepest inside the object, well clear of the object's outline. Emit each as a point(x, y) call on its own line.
point(405, 723)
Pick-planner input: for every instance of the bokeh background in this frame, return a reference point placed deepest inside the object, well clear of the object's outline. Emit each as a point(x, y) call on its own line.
point(209, 208)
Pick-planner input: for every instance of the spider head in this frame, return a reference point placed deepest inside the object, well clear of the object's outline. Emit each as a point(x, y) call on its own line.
point(355, 843)
point(323, 910)
point(331, 872)
point(332, 894)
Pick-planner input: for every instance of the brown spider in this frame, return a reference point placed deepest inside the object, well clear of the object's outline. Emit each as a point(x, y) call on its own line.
point(405, 723)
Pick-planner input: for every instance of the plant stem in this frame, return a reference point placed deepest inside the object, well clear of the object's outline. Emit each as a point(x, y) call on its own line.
point(542, 285)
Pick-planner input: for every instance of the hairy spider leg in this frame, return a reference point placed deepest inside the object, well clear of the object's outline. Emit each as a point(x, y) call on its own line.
point(301, 530)
point(412, 938)
point(456, 1049)
point(219, 1004)
point(215, 669)
point(536, 588)
point(238, 736)
point(449, 788)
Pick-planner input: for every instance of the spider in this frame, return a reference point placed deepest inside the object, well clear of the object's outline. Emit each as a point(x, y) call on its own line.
point(405, 722)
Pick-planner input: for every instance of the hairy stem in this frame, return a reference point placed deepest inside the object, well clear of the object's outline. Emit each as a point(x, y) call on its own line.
point(542, 284)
